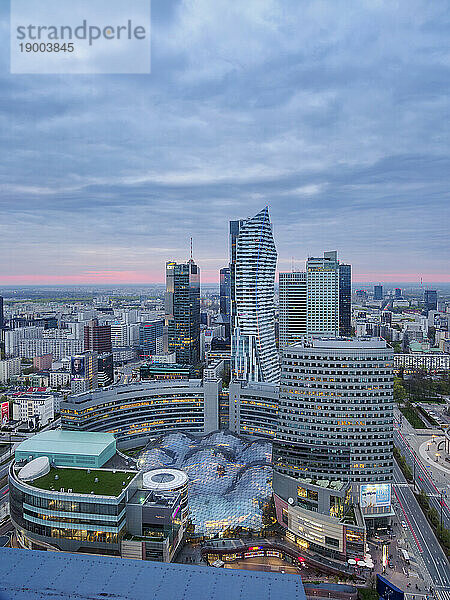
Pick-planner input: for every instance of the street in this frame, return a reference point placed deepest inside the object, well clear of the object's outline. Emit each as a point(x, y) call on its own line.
point(423, 478)
point(422, 536)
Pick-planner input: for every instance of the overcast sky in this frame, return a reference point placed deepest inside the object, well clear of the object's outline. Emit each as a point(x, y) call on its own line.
point(334, 113)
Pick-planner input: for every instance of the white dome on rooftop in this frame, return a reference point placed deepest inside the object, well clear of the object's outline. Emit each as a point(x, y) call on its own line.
point(35, 468)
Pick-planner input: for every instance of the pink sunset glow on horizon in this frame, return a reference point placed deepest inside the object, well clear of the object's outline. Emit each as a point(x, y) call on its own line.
point(207, 276)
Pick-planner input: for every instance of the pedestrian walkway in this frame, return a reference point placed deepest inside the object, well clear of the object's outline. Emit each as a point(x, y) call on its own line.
point(428, 451)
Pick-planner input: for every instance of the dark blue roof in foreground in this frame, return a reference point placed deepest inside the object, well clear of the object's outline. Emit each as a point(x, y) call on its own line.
point(37, 575)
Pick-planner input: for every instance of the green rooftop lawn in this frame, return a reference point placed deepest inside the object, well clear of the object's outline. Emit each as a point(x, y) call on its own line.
point(82, 482)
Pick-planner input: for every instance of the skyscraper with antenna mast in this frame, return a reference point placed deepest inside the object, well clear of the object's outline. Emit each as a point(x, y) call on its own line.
point(182, 308)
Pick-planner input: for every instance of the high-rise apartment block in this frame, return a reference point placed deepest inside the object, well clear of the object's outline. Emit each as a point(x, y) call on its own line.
point(97, 338)
point(316, 302)
point(182, 303)
point(8, 368)
point(2, 314)
point(253, 259)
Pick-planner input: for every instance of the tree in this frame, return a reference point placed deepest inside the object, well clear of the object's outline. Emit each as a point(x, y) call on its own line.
point(400, 393)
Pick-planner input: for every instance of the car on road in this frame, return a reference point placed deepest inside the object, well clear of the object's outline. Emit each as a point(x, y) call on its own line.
point(404, 525)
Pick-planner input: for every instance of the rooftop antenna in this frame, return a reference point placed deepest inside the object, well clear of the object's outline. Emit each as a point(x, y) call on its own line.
point(191, 259)
point(292, 265)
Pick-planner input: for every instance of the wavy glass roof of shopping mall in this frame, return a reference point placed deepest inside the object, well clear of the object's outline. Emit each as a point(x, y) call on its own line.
point(229, 477)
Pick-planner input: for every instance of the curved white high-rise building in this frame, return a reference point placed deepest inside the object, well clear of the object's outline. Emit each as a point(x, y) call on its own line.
point(252, 270)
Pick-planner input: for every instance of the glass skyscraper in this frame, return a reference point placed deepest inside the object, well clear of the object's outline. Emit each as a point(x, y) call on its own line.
point(225, 292)
point(345, 300)
point(253, 259)
point(378, 292)
point(182, 303)
point(430, 300)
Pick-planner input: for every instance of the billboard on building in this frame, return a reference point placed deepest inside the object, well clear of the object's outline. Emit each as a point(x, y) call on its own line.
point(373, 495)
point(77, 367)
point(5, 412)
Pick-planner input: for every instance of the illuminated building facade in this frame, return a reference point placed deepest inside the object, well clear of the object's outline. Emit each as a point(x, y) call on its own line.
point(253, 259)
point(150, 333)
point(336, 416)
point(139, 412)
point(110, 509)
point(253, 409)
point(182, 304)
point(319, 515)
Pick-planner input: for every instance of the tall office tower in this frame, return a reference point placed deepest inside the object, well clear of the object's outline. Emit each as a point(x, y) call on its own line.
point(430, 299)
point(182, 320)
point(335, 419)
point(398, 294)
point(378, 292)
point(97, 337)
point(252, 269)
point(225, 292)
point(292, 307)
point(2, 314)
point(345, 300)
point(317, 302)
point(323, 295)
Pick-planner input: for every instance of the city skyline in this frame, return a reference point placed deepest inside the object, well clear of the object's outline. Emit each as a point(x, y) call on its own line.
point(105, 178)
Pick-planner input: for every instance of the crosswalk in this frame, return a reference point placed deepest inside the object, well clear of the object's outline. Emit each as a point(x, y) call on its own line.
point(442, 593)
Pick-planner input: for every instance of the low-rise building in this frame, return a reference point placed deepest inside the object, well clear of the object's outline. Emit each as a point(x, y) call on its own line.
point(160, 371)
point(138, 412)
point(72, 491)
point(59, 378)
point(253, 409)
point(433, 362)
point(34, 406)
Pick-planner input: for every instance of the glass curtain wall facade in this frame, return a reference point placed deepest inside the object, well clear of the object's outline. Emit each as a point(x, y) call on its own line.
point(345, 300)
point(252, 270)
point(182, 320)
